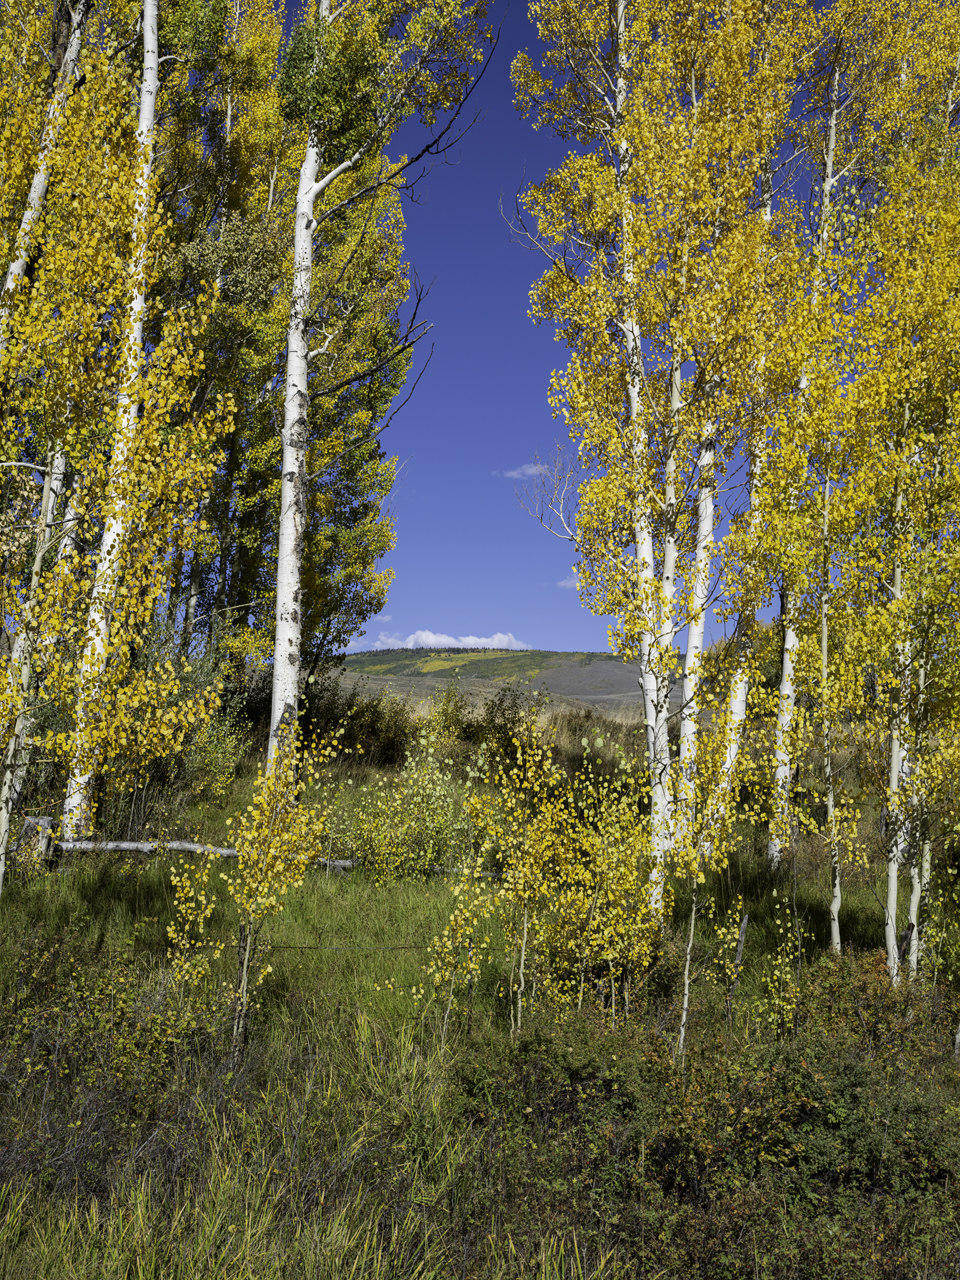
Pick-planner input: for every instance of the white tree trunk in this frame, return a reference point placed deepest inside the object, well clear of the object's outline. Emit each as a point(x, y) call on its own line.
point(77, 806)
point(740, 684)
point(739, 689)
point(21, 665)
point(920, 862)
point(41, 178)
point(785, 707)
point(896, 834)
point(689, 718)
point(661, 644)
point(57, 477)
point(21, 658)
point(830, 823)
point(896, 845)
point(293, 483)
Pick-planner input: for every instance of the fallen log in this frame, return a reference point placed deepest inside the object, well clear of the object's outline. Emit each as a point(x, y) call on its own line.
point(49, 844)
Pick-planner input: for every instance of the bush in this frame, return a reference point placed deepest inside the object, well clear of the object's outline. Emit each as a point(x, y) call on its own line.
point(383, 728)
point(416, 823)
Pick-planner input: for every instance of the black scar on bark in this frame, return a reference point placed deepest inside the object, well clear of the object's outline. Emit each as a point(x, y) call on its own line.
point(292, 659)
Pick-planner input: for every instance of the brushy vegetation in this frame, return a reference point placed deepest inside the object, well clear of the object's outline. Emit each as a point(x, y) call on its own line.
point(811, 1126)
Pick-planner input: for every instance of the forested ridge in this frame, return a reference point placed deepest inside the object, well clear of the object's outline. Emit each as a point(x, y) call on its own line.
point(299, 978)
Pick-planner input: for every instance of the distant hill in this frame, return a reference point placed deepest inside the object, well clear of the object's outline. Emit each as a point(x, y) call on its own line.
point(600, 680)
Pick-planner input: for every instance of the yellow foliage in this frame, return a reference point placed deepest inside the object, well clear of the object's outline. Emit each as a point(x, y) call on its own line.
point(563, 866)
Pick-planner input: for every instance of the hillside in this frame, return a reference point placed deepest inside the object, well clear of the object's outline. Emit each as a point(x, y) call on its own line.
point(597, 679)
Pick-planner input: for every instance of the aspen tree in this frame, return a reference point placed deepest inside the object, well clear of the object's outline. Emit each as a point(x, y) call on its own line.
point(140, 445)
point(41, 178)
point(21, 656)
point(53, 322)
point(351, 76)
point(875, 77)
point(76, 809)
point(908, 398)
point(663, 284)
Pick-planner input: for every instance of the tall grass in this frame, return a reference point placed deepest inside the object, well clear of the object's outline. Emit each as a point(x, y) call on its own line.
point(366, 1134)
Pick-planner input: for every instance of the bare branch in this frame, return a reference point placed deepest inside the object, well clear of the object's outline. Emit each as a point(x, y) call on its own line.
point(552, 497)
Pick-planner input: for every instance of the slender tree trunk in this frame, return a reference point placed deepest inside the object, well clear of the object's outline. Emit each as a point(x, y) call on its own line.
point(293, 483)
point(896, 843)
point(830, 824)
point(920, 860)
point(689, 715)
point(77, 806)
point(41, 178)
point(175, 596)
point(685, 1012)
point(655, 706)
point(660, 599)
point(57, 484)
point(21, 664)
point(740, 684)
point(783, 765)
point(68, 526)
point(787, 699)
point(895, 826)
point(68, 56)
point(193, 594)
point(220, 596)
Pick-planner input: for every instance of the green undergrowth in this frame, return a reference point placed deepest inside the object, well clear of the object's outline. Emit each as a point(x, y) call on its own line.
point(366, 1135)
point(809, 1128)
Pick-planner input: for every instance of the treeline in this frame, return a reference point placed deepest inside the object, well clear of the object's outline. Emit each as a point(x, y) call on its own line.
point(200, 340)
point(753, 263)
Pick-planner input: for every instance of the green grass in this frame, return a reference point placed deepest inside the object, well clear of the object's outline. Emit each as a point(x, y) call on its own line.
point(366, 1133)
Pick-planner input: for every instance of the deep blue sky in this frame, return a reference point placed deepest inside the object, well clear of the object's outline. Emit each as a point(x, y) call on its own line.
point(469, 562)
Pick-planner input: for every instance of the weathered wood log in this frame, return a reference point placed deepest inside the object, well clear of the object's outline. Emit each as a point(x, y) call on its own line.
point(50, 846)
point(44, 826)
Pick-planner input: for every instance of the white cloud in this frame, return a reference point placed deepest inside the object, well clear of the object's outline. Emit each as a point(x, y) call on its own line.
point(526, 472)
point(439, 640)
point(570, 581)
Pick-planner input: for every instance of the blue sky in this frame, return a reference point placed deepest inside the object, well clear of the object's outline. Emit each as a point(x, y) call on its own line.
point(471, 566)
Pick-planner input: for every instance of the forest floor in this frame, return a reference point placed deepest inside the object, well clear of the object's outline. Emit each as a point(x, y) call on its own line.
point(368, 1131)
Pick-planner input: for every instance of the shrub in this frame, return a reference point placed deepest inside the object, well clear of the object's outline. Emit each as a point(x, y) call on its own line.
point(412, 825)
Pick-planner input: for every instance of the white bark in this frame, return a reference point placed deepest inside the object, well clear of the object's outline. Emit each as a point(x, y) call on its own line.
point(785, 709)
point(655, 688)
point(688, 953)
point(41, 178)
point(77, 806)
point(896, 844)
point(21, 658)
point(193, 594)
point(896, 836)
point(661, 644)
point(920, 862)
point(740, 684)
point(293, 483)
point(57, 477)
point(68, 527)
point(689, 718)
point(21, 664)
point(787, 696)
point(830, 823)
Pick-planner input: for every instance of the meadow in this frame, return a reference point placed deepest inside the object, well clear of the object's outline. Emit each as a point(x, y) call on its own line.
point(371, 1130)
